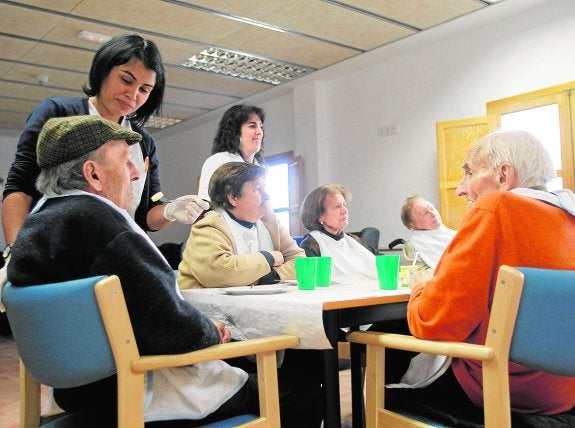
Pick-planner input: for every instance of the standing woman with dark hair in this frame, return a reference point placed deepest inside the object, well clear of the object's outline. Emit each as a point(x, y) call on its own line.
point(239, 138)
point(126, 85)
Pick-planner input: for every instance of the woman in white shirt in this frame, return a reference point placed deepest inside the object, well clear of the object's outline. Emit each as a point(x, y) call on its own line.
point(239, 138)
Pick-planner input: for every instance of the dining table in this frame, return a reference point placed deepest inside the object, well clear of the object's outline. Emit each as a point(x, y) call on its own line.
point(315, 316)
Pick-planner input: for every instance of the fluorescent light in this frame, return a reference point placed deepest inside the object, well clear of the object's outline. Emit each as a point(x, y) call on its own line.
point(234, 64)
point(159, 122)
point(89, 36)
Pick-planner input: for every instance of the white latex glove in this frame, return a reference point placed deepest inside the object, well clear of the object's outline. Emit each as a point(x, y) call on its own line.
point(185, 209)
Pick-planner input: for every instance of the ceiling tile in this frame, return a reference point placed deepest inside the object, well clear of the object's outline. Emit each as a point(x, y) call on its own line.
point(197, 99)
point(26, 22)
point(213, 83)
point(419, 13)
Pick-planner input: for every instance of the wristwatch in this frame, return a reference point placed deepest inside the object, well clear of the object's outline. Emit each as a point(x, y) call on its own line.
point(6, 251)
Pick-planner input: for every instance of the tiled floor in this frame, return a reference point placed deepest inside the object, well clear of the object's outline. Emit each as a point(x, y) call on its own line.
point(8, 383)
point(9, 402)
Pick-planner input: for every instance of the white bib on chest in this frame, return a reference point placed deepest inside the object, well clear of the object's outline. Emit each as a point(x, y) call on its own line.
point(347, 255)
point(248, 240)
point(430, 244)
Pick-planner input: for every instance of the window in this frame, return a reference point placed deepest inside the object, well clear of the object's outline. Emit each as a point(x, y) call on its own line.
point(283, 186)
point(543, 123)
point(277, 186)
point(549, 114)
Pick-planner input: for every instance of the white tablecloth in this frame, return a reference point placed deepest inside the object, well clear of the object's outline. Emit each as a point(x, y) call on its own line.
point(297, 312)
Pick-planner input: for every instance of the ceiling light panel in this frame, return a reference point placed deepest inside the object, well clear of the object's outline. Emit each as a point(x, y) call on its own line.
point(234, 64)
point(161, 122)
point(92, 37)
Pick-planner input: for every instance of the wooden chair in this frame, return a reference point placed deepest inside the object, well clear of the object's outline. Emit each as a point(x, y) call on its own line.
point(76, 332)
point(531, 324)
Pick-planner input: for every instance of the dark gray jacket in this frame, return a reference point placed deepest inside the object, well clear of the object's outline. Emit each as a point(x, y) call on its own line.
point(79, 236)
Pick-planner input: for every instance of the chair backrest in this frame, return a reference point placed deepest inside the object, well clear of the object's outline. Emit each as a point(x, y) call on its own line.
point(370, 238)
point(59, 332)
point(544, 334)
point(298, 239)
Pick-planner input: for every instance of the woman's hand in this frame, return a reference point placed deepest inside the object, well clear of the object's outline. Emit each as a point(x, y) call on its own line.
point(278, 258)
point(225, 334)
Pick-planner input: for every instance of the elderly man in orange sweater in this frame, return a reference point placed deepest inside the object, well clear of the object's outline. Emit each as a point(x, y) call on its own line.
point(513, 220)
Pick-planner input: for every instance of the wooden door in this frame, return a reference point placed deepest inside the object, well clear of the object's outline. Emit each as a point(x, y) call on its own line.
point(453, 139)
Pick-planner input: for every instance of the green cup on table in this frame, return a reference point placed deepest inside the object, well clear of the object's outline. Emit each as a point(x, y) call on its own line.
point(305, 269)
point(323, 271)
point(387, 271)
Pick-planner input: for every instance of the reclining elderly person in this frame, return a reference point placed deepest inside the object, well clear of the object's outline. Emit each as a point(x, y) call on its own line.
point(513, 220)
point(80, 228)
point(238, 242)
point(429, 236)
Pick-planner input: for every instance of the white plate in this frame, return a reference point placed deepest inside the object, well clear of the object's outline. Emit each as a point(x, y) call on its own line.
point(256, 289)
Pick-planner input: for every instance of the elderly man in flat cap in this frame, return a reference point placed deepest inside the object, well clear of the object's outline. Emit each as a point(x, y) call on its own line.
point(81, 228)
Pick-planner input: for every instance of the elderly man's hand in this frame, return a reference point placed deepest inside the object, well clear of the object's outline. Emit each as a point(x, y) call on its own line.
point(421, 276)
point(225, 334)
point(185, 209)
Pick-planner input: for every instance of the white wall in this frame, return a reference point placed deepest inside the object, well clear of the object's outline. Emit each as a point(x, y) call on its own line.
point(331, 117)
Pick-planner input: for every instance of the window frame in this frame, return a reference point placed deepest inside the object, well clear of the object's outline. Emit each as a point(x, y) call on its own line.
point(294, 164)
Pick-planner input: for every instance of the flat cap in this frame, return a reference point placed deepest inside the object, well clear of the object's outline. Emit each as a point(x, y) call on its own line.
point(63, 139)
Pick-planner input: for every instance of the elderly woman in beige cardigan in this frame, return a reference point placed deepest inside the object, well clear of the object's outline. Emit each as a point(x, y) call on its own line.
point(239, 241)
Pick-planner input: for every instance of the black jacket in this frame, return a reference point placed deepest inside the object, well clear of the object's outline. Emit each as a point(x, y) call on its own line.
point(24, 170)
point(79, 236)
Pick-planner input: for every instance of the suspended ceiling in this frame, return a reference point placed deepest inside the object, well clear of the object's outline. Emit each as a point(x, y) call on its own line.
point(41, 37)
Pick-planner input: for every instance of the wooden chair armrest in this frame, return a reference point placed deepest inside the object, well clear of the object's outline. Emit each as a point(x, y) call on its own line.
point(410, 343)
point(216, 352)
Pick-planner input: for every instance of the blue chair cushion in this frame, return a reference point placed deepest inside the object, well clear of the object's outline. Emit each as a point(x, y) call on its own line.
point(59, 332)
point(544, 337)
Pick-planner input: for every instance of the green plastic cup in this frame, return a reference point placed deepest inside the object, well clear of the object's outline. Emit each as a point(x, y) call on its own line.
point(387, 271)
point(305, 268)
point(323, 272)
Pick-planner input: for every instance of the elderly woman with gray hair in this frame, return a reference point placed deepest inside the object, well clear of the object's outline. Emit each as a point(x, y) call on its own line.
point(325, 215)
point(237, 243)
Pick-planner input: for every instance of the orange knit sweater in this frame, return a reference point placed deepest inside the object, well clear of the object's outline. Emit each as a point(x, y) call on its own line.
point(501, 228)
